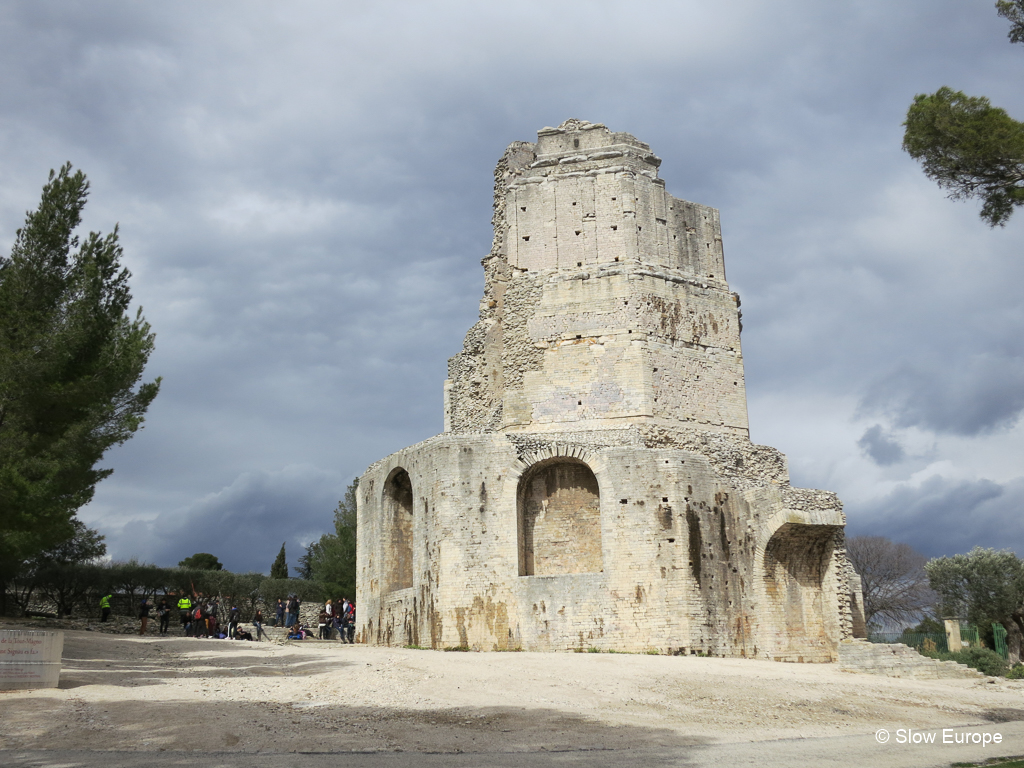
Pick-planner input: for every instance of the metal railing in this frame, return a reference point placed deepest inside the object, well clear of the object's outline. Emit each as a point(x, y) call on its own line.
point(999, 636)
point(936, 641)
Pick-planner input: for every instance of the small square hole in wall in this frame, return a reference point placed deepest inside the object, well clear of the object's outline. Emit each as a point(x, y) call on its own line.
point(639, 229)
point(671, 541)
point(614, 198)
point(575, 142)
point(578, 336)
point(616, 258)
point(579, 402)
point(664, 498)
point(623, 501)
point(579, 263)
point(526, 238)
point(522, 208)
point(628, 331)
point(614, 227)
point(574, 203)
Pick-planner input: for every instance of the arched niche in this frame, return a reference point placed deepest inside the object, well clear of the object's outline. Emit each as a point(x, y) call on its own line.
point(559, 514)
point(796, 565)
point(397, 507)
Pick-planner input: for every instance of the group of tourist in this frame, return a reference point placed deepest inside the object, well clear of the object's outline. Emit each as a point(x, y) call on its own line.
point(333, 617)
point(202, 617)
point(340, 616)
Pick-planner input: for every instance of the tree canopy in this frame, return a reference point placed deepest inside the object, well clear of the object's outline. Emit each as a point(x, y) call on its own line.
point(969, 147)
point(983, 586)
point(331, 559)
point(71, 361)
point(1014, 11)
point(201, 561)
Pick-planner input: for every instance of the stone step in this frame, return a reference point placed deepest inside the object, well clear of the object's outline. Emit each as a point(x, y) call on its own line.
point(898, 660)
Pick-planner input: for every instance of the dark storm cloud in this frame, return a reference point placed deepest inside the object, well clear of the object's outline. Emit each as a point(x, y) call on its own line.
point(243, 524)
point(304, 195)
point(975, 394)
point(943, 517)
point(881, 447)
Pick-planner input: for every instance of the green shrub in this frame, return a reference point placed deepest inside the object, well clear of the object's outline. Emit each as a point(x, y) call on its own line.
point(986, 661)
point(1017, 673)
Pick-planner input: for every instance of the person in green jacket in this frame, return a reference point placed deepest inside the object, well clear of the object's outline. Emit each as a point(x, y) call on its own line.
point(105, 607)
point(184, 611)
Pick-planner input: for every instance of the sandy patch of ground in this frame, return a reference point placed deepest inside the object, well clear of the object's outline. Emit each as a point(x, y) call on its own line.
point(131, 693)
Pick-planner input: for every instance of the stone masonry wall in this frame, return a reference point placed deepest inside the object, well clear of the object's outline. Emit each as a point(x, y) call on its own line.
point(687, 563)
point(595, 485)
point(615, 308)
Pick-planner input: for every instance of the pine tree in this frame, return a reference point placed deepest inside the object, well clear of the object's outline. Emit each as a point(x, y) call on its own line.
point(968, 146)
point(202, 561)
point(279, 570)
point(71, 359)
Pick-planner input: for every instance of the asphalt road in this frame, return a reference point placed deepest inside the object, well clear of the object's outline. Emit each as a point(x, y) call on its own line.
point(842, 751)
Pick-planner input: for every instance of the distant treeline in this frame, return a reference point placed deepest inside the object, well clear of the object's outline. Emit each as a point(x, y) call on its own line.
point(69, 578)
point(75, 589)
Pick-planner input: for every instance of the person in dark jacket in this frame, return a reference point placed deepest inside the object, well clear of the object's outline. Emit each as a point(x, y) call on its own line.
point(144, 609)
point(257, 621)
point(350, 623)
point(163, 612)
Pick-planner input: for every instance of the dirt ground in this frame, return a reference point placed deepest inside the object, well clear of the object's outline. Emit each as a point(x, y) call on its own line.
point(119, 692)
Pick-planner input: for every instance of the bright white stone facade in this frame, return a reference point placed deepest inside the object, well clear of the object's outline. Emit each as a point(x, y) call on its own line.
point(595, 485)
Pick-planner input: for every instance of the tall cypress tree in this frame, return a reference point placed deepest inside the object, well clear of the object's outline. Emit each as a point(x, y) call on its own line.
point(279, 570)
point(71, 359)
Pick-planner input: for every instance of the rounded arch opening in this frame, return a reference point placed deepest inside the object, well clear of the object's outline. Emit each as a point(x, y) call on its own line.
point(796, 566)
point(559, 514)
point(397, 507)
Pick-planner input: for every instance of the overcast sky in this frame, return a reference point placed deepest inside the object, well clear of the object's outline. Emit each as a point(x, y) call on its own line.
point(304, 196)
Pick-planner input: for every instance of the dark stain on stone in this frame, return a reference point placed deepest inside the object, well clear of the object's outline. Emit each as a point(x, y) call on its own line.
point(695, 542)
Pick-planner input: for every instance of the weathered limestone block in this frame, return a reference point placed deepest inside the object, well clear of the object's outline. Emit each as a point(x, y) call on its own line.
point(595, 485)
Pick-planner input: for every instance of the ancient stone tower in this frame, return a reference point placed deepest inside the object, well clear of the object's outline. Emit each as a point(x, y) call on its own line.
point(595, 485)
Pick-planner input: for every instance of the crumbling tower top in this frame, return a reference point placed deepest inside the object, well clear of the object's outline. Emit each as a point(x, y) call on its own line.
point(605, 302)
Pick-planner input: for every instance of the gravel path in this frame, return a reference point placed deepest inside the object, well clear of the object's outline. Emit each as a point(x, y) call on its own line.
point(129, 693)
